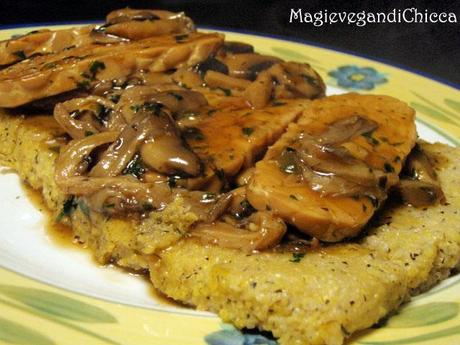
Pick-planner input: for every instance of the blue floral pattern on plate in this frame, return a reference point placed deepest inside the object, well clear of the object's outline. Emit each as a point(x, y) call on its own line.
point(357, 78)
point(229, 335)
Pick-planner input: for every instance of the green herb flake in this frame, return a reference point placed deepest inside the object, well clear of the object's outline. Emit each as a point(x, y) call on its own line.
point(296, 257)
point(245, 210)
point(84, 84)
point(67, 208)
point(84, 208)
point(147, 207)
point(172, 181)
point(227, 92)
point(388, 168)
point(136, 107)
point(20, 54)
point(182, 84)
point(247, 131)
point(176, 96)
point(135, 168)
point(154, 107)
point(276, 103)
point(114, 98)
point(181, 38)
point(370, 138)
point(95, 67)
point(88, 133)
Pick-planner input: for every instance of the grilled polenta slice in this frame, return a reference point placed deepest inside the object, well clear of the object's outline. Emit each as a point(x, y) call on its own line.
point(319, 298)
point(330, 292)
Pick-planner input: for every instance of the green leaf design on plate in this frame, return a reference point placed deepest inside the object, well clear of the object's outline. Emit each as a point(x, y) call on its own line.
point(14, 333)
point(446, 112)
point(453, 104)
point(58, 305)
point(424, 315)
point(419, 338)
point(435, 114)
point(293, 55)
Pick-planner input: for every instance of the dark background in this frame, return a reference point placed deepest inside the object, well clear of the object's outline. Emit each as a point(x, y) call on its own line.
point(432, 49)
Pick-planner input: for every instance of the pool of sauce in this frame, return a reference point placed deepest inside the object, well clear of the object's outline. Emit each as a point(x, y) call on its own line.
point(62, 235)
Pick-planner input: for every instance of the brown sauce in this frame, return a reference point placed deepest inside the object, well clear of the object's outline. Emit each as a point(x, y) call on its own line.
point(59, 233)
point(62, 235)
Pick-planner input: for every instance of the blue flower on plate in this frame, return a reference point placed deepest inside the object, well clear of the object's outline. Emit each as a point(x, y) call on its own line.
point(229, 335)
point(358, 78)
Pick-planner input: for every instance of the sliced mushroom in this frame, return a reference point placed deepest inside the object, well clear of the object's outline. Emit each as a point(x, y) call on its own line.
point(211, 64)
point(167, 154)
point(73, 160)
point(330, 168)
point(419, 193)
point(216, 79)
point(233, 47)
point(81, 117)
point(148, 97)
point(419, 185)
point(248, 66)
point(264, 230)
point(138, 24)
point(344, 129)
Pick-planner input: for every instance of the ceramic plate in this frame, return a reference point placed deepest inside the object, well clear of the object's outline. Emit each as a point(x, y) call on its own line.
point(51, 293)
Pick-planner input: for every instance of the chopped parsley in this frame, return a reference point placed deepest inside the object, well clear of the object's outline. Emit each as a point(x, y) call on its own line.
point(84, 84)
point(154, 107)
point(83, 208)
point(95, 67)
point(147, 207)
point(172, 181)
point(247, 131)
point(135, 167)
point(102, 113)
point(177, 96)
point(276, 103)
point(181, 38)
point(370, 138)
point(20, 54)
point(388, 168)
point(227, 92)
point(245, 211)
point(68, 208)
point(296, 257)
